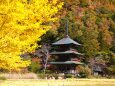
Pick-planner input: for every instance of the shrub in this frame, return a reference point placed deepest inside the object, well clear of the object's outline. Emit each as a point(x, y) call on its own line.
point(42, 76)
point(68, 76)
point(2, 78)
point(84, 71)
point(55, 76)
point(34, 67)
point(82, 75)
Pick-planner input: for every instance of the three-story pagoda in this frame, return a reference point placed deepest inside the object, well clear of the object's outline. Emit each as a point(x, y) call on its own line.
point(67, 57)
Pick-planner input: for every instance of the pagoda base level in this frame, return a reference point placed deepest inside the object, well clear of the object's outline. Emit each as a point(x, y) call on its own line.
point(65, 68)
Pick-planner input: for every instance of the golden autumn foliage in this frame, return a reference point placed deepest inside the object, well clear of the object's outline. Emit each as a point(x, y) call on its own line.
point(22, 22)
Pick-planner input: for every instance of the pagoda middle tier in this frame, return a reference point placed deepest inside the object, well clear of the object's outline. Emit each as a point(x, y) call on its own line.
point(66, 52)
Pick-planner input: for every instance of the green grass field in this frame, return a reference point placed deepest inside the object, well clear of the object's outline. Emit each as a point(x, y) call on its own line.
point(68, 82)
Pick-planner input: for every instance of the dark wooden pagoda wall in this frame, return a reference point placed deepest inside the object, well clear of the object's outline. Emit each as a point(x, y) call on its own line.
point(65, 57)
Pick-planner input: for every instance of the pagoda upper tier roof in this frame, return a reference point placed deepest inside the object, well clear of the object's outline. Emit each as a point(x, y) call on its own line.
point(66, 62)
point(65, 40)
point(66, 52)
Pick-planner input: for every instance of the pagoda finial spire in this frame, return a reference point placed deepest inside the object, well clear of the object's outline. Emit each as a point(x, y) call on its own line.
point(67, 27)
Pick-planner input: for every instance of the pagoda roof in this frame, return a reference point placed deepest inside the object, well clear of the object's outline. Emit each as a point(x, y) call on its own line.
point(66, 52)
point(65, 40)
point(66, 62)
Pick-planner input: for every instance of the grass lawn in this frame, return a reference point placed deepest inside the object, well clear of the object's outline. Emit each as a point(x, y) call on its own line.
point(67, 82)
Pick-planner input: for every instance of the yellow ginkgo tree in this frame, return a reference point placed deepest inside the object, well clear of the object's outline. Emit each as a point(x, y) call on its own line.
point(22, 23)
